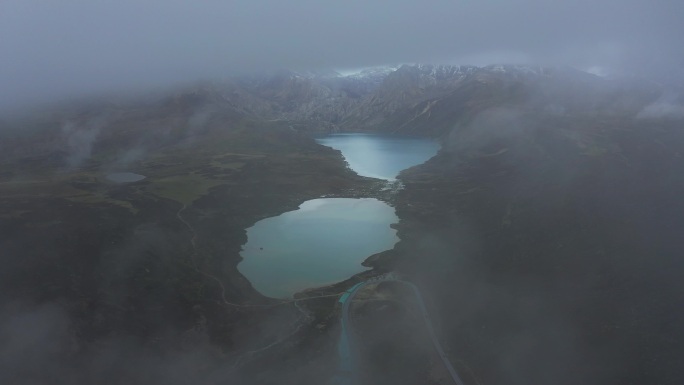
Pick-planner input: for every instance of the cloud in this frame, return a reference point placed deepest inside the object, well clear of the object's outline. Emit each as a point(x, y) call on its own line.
point(40, 346)
point(35, 340)
point(54, 50)
point(665, 107)
point(80, 139)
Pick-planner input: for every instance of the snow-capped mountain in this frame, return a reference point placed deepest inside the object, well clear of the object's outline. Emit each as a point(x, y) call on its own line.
point(422, 98)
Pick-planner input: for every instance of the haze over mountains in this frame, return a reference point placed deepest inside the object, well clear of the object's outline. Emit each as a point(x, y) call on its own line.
point(75, 47)
point(408, 98)
point(546, 231)
point(545, 235)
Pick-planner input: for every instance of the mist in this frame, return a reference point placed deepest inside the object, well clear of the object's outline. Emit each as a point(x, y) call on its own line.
point(544, 234)
point(667, 106)
point(80, 140)
point(55, 51)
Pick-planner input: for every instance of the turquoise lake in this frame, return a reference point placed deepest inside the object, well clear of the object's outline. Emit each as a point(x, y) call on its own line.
point(325, 240)
point(381, 156)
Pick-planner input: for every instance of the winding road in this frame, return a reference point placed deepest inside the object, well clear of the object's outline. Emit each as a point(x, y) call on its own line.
point(347, 371)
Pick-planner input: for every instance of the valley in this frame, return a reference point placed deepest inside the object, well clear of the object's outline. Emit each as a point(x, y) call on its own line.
point(544, 234)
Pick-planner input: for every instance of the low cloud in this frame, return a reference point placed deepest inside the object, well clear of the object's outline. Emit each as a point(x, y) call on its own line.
point(80, 140)
point(55, 51)
point(669, 106)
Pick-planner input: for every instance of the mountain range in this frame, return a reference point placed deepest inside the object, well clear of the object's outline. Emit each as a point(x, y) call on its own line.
point(546, 230)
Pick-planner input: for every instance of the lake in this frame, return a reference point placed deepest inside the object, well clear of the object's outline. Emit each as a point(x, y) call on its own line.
point(325, 240)
point(381, 156)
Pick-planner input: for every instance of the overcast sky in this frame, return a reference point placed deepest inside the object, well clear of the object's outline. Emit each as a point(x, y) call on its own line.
point(55, 48)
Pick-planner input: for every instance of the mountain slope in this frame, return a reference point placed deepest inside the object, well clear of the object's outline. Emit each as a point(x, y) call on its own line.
point(551, 244)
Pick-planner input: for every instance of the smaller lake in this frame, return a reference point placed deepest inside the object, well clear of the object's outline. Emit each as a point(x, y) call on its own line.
point(124, 177)
point(323, 242)
point(381, 156)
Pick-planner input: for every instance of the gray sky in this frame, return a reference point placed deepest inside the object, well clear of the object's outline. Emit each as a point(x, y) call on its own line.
point(56, 48)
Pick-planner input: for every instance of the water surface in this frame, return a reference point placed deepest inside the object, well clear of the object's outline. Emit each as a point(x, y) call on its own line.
point(326, 240)
point(323, 242)
point(381, 156)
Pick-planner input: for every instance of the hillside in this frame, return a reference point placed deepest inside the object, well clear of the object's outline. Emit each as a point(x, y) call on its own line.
point(120, 281)
point(552, 245)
